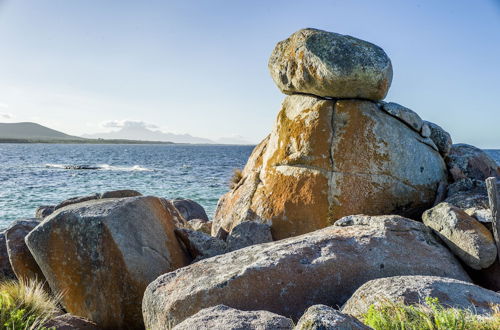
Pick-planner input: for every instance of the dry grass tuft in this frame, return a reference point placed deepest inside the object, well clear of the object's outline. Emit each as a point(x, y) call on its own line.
point(236, 178)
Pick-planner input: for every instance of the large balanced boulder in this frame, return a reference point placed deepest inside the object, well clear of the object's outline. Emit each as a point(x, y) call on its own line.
point(412, 290)
point(288, 276)
point(465, 236)
point(21, 259)
point(323, 63)
point(227, 318)
point(103, 253)
point(327, 159)
point(321, 317)
point(466, 161)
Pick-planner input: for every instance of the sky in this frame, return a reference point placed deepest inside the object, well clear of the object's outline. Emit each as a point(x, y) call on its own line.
point(200, 67)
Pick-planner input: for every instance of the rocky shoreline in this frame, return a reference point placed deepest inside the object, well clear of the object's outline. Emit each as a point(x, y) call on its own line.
point(349, 201)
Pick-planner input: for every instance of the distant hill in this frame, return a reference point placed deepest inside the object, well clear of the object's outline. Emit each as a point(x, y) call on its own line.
point(143, 133)
point(35, 133)
point(32, 131)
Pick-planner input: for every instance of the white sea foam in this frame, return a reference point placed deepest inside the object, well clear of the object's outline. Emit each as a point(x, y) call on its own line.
point(102, 167)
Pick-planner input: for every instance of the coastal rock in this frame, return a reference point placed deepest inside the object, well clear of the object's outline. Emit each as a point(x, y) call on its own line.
point(412, 290)
point(325, 160)
point(441, 138)
point(248, 233)
point(6, 272)
point(464, 235)
point(200, 245)
point(223, 317)
point(466, 161)
point(102, 254)
point(189, 209)
point(22, 261)
point(71, 322)
point(120, 194)
point(328, 64)
point(44, 211)
point(201, 225)
point(488, 278)
point(321, 317)
point(426, 132)
point(76, 200)
point(407, 116)
point(288, 276)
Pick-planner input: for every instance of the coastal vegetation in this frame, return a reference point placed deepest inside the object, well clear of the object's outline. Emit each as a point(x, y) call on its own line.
point(25, 305)
point(429, 316)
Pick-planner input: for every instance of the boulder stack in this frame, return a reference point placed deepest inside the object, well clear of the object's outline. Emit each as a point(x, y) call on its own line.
point(334, 151)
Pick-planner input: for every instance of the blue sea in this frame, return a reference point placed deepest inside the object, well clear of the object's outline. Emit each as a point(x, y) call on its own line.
point(36, 174)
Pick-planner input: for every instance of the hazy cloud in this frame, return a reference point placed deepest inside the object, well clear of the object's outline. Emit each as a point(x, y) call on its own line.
point(6, 115)
point(127, 123)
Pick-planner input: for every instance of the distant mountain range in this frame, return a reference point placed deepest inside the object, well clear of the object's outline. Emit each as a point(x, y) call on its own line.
point(32, 132)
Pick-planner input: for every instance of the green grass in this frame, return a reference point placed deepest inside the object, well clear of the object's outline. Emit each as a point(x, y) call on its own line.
point(428, 316)
point(25, 305)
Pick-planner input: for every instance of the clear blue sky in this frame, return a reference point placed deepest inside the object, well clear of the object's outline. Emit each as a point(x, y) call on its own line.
point(200, 67)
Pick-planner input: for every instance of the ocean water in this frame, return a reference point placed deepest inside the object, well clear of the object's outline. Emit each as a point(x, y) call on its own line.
point(38, 174)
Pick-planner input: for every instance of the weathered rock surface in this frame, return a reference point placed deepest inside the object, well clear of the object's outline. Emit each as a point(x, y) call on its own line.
point(227, 318)
point(414, 289)
point(465, 236)
point(44, 211)
point(120, 194)
point(466, 161)
point(6, 271)
point(426, 132)
point(200, 245)
point(488, 278)
point(407, 116)
point(321, 317)
point(288, 276)
point(248, 233)
point(189, 209)
point(22, 261)
point(323, 63)
point(102, 254)
point(325, 160)
point(76, 200)
point(441, 138)
point(201, 225)
point(71, 322)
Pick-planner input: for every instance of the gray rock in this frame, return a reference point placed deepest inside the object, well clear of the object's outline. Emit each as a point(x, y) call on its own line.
point(465, 236)
point(200, 245)
point(321, 317)
point(413, 290)
point(6, 272)
point(248, 233)
point(227, 318)
point(466, 161)
point(407, 116)
point(102, 254)
point(76, 200)
point(44, 211)
point(71, 322)
point(488, 278)
point(120, 194)
point(288, 276)
point(21, 259)
point(201, 225)
point(426, 131)
point(189, 209)
point(441, 138)
point(329, 64)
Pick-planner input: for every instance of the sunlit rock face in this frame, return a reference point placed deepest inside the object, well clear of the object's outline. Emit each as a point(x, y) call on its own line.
point(326, 159)
point(329, 64)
